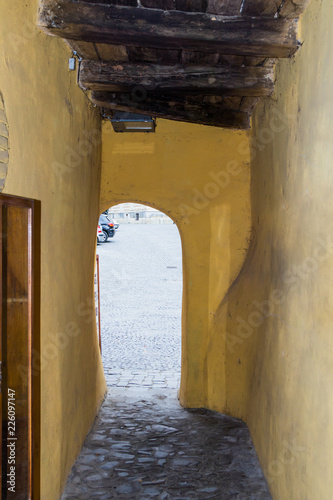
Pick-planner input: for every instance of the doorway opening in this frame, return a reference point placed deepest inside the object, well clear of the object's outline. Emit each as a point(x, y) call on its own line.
point(20, 347)
point(141, 299)
point(144, 444)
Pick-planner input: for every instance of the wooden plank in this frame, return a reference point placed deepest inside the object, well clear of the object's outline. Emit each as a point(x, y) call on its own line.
point(166, 107)
point(224, 7)
point(191, 5)
point(261, 7)
point(177, 30)
point(126, 3)
point(36, 347)
point(212, 99)
point(292, 8)
point(20, 332)
point(216, 80)
point(254, 61)
point(232, 102)
point(16, 336)
point(231, 60)
point(85, 50)
point(108, 52)
point(199, 58)
point(248, 104)
point(159, 4)
point(227, 102)
point(146, 54)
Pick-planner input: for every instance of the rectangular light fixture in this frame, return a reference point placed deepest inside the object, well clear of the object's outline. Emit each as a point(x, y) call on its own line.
point(131, 122)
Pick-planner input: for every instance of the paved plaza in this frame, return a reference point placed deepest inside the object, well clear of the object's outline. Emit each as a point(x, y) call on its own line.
point(141, 297)
point(143, 445)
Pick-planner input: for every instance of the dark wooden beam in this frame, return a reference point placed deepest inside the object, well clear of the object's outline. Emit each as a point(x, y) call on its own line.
point(216, 80)
point(292, 8)
point(151, 55)
point(261, 7)
point(132, 26)
point(84, 49)
point(191, 5)
point(224, 7)
point(128, 3)
point(159, 4)
point(173, 109)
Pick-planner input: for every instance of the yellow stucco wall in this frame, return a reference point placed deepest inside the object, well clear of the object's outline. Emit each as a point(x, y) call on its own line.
point(280, 311)
point(200, 177)
point(257, 304)
point(55, 157)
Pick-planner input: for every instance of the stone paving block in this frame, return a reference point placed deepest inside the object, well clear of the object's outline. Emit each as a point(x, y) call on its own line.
point(159, 450)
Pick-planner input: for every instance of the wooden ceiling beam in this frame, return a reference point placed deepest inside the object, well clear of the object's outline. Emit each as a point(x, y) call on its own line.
point(132, 26)
point(261, 7)
point(159, 4)
point(292, 8)
point(215, 80)
point(178, 109)
point(224, 7)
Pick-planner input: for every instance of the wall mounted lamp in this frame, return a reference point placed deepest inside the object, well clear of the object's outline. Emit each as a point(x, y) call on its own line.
point(131, 122)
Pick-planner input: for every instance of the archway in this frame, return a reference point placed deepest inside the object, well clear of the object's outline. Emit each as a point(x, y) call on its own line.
point(206, 191)
point(141, 299)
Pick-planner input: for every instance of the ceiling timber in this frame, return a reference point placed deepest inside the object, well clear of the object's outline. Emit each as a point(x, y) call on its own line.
point(179, 79)
point(201, 61)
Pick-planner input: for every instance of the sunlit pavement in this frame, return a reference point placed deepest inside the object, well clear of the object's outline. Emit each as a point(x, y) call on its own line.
point(148, 379)
point(141, 297)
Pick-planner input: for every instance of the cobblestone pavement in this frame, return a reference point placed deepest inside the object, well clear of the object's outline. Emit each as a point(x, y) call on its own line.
point(141, 296)
point(147, 379)
point(144, 446)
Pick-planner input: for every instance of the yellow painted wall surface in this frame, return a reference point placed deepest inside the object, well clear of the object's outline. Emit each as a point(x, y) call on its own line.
point(280, 311)
point(200, 177)
point(55, 157)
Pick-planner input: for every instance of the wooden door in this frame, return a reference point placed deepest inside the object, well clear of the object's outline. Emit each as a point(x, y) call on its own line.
point(19, 347)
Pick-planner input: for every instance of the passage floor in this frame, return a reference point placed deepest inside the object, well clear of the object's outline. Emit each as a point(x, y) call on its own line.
point(143, 445)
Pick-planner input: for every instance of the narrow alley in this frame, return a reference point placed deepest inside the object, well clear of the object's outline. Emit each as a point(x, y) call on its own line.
point(215, 378)
point(144, 444)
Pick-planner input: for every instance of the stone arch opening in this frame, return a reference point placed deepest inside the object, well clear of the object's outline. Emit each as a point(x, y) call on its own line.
point(141, 280)
point(174, 171)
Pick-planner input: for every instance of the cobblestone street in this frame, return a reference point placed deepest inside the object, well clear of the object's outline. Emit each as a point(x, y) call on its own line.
point(141, 295)
point(143, 445)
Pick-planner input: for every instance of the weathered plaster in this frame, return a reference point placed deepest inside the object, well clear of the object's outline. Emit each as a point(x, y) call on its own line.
point(55, 157)
point(280, 360)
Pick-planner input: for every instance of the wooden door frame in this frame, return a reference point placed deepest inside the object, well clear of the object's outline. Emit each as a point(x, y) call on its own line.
point(34, 234)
